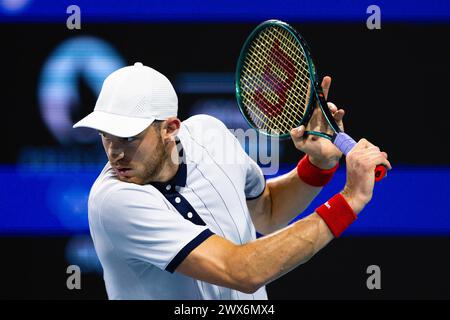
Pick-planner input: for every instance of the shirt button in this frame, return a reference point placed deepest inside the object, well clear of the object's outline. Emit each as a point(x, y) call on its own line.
point(190, 215)
point(177, 200)
point(168, 187)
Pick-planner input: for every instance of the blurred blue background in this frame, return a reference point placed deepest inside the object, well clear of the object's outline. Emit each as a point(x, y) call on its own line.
point(53, 201)
point(225, 10)
point(390, 81)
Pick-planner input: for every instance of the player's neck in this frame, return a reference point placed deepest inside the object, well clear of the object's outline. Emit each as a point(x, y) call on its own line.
point(170, 165)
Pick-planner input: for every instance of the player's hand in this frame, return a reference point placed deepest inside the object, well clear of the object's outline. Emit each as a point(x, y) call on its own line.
point(322, 152)
point(361, 162)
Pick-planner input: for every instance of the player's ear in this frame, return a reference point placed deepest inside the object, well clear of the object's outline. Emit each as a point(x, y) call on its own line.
point(170, 128)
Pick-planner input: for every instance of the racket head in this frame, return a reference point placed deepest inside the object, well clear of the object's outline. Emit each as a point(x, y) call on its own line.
point(275, 65)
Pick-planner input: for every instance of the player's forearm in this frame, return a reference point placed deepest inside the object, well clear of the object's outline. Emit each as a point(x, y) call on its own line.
point(289, 197)
point(259, 262)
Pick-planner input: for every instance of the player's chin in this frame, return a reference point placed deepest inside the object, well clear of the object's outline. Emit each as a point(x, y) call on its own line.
point(131, 179)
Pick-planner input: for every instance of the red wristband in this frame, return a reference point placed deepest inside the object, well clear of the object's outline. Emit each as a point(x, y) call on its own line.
point(337, 214)
point(313, 175)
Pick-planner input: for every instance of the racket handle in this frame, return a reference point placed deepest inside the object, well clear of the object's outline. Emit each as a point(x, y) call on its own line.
point(380, 172)
point(345, 143)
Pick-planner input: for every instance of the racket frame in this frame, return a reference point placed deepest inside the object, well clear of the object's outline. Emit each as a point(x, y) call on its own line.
point(316, 93)
point(243, 53)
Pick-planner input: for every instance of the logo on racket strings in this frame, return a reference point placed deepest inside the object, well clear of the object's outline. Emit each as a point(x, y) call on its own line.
point(278, 60)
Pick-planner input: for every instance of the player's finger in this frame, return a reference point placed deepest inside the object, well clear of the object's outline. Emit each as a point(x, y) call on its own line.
point(385, 156)
point(369, 153)
point(332, 107)
point(326, 83)
point(298, 132)
point(374, 156)
point(339, 115)
point(380, 159)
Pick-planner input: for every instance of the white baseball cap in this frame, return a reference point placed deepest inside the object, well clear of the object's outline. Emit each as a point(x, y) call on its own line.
point(130, 100)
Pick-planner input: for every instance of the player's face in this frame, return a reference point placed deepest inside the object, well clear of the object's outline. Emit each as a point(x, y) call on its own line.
point(139, 159)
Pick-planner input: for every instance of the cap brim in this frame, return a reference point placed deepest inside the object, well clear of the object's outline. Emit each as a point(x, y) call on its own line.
point(119, 126)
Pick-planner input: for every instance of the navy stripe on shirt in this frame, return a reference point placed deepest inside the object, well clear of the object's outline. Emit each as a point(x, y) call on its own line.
point(194, 243)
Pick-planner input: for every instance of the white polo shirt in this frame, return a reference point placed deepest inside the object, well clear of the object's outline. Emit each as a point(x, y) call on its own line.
point(142, 233)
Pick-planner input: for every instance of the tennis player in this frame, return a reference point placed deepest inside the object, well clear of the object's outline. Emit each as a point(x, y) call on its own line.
point(170, 219)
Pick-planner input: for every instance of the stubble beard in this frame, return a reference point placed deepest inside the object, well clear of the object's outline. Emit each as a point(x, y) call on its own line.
point(154, 166)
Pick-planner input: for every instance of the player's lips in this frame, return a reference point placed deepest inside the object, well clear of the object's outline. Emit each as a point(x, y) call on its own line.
point(123, 171)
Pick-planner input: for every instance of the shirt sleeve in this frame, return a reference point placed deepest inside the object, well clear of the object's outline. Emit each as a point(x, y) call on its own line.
point(140, 226)
point(255, 183)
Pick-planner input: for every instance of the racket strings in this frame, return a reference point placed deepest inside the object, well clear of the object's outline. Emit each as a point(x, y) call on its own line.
point(273, 36)
point(254, 83)
point(259, 59)
point(303, 67)
point(301, 60)
point(268, 84)
point(260, 118)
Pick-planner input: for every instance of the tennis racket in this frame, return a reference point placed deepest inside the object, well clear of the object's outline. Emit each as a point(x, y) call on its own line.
point(277, 86)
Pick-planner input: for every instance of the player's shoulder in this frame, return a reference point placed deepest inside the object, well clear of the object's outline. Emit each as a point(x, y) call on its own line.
point(207, 129)
point(204, 120)
point(104, 185)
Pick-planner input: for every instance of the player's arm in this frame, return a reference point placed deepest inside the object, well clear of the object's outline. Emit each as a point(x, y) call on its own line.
point(282, 200)
point(249, 266)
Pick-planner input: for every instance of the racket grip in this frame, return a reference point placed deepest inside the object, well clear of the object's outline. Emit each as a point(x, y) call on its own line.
point(345, 143)
point(380, 172)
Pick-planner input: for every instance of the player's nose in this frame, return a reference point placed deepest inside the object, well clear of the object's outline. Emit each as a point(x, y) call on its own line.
point(115, 153)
